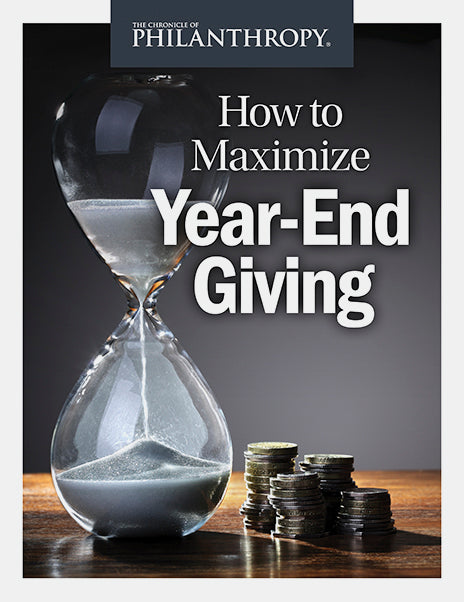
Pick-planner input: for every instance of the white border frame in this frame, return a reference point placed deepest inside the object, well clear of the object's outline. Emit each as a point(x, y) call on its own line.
point(447, 12)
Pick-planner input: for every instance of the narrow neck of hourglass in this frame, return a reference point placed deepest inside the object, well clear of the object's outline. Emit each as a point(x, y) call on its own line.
point(149, 304)
point(149, 308)
point(142, 297)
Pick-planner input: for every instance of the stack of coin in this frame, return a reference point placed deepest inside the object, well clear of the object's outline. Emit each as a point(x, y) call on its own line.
point(263, 461)
point(365, 511)
point(299, 505)
point(334, 471)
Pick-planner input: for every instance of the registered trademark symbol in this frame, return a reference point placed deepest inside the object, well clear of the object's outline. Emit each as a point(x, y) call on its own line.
point(328, 44)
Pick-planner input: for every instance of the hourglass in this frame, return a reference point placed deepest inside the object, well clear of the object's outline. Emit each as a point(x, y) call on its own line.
point(141, 447)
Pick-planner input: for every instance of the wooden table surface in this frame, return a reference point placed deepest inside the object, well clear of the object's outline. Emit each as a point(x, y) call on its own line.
point(55, 546)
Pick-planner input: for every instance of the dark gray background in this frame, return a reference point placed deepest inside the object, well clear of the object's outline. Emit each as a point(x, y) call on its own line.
point(372, 392)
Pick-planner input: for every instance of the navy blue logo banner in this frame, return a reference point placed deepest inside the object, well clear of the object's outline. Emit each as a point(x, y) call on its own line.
point(181, 33)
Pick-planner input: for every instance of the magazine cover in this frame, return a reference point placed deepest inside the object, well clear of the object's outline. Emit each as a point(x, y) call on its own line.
point(232, 246)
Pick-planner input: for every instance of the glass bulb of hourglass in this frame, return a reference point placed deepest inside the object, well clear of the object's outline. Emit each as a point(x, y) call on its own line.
point(141, 447)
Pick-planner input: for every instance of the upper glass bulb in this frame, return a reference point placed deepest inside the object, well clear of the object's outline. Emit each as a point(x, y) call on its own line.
point(116, 138)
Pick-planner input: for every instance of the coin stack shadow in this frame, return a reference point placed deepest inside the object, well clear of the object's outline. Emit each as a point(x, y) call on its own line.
point(334, 472)
point(365, 511)
point(299, 505)
point(263, 461)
